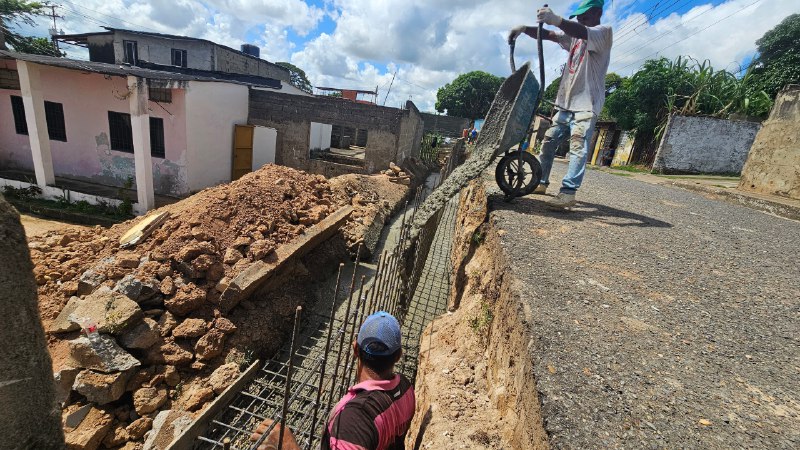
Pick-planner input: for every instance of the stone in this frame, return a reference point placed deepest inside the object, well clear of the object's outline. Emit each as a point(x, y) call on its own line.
point(167, 425)
point(195, 249)
point(167, 286)
point(210, 345)
point(141, 336)
point(188, 298)
point(139, 427)
point(200, 234)
point(148, 399)
point(232, 255)
point(166, 323)
point(260, 249)
point(130, 445)
point(90, 432)
point(127, 260)
point(197, 398)
point(89, 281)
point(73, 415)
point(207, 266)
point(171, 376)
point(64, 379)
point(140, 377)
point(190, 328)
point(198, 366)
point(116, 437)
point(223, 377)
point(101, 388)
point(169, 352)
point(103, 355)
point(241, 241)
point(112, 312)
point(224, 325)
point(136, 289)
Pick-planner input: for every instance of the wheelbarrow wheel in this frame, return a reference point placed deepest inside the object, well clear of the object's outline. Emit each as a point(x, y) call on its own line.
point(509, 173)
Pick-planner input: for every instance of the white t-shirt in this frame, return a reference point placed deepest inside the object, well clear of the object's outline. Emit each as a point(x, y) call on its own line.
point(583, 83)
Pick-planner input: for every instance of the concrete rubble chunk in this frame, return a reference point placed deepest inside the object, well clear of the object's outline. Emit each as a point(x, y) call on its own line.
point(89, 281)
point(190, 328)
point(137, 289)
point(166, 323)
point(112, 312)
point(232, 255)
point(90, 432)
point(223, 377)
point(148, 399)
point(171, 376)
point(224, 325)
point(101, 388)
point(64, 379)
point(167, 286)
point(101, 354)
point(170, 352)
point(127, 260)
point(188, 298)
point(196, 398)
point(195, 249)
point(167, 425)
point(210, 345)
point(139, 427)
point(141, 336)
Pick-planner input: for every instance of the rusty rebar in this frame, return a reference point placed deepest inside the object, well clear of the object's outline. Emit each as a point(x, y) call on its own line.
point(346, 374)
point(374, 288)
point(344, 326)
point(287, 390)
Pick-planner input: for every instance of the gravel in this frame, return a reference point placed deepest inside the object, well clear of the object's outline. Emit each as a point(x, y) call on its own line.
point(662, 319)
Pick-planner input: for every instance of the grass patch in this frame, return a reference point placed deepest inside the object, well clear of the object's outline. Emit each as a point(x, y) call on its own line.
point(481, 323)
point(703, 177)
point(29, 198)
point(633, 168)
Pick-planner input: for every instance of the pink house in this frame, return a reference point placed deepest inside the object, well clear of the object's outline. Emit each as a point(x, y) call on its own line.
point(100, 123)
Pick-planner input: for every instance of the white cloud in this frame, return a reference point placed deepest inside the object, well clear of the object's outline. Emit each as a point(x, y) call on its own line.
point(427, 42)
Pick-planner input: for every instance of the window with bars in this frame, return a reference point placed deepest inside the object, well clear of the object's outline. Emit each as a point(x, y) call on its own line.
point(18, 110)
point(178, 57)
point(119, 127)
point(162, 95)
point(157, 148)
point(131, 52)
point(56, 128)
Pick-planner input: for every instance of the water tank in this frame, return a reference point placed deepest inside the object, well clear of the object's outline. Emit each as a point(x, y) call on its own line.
point(252, 50)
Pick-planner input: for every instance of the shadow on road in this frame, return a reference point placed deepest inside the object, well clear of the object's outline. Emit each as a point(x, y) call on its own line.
point(582, 211)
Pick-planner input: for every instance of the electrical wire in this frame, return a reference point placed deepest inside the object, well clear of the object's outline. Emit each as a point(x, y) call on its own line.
point(110, 17)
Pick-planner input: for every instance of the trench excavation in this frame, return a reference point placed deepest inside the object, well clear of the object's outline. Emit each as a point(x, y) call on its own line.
point(309, 374)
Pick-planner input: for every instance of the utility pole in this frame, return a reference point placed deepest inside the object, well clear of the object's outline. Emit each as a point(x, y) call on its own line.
point(54, 30)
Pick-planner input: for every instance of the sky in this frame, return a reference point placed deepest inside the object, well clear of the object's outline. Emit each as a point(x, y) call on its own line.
point(408, 49)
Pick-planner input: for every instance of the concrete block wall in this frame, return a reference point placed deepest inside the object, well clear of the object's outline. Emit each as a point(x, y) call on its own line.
point(445, 125)
point(228, 60)
point(391, 131)
point(773, 166)
point(693, 144)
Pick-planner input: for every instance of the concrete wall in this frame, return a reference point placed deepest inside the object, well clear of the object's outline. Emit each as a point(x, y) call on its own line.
point(704, 145)
point(87, 155)
point(391, 131)
point(773, 166)
point(200, 54)
point(212, 109)
point(445, 125)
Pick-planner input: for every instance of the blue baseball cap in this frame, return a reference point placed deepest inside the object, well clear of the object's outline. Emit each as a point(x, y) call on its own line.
point(379, 335)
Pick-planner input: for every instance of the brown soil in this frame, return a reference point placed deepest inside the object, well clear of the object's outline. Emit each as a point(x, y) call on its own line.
point(35, 226)
point(191, 255)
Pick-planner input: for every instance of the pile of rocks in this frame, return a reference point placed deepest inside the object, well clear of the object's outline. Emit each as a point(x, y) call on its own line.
point(138, 337)
point(396, 174)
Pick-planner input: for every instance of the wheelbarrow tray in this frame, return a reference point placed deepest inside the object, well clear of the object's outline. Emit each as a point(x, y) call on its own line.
point(506, 125)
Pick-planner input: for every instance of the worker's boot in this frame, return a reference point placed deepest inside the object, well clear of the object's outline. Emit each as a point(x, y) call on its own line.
point(541, 189)
point(562, 201)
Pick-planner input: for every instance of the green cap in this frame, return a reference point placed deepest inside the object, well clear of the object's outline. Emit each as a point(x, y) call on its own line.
point(587, 5)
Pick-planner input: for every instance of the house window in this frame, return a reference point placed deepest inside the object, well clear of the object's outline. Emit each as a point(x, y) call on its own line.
point(162, 95)
point(119, 126)
point(178, 57)
point(56, 128)
point(18, 110)
point(9, 79)
point(131, 52)
point(157, 137)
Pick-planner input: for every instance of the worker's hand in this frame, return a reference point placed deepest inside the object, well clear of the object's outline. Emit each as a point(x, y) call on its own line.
point(514, 34)
point(271, 442)
point(546, 15)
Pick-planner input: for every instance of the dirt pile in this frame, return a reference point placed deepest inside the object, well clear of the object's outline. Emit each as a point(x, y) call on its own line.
point(136, 331)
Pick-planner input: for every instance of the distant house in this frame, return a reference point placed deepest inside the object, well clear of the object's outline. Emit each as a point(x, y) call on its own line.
point(141, 48)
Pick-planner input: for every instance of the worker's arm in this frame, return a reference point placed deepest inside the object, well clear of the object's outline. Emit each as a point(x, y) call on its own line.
point(532, 32)
point(569, 27)
point(271, 442)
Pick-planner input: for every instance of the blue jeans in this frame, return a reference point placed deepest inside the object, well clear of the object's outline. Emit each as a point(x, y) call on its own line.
point(579, 126)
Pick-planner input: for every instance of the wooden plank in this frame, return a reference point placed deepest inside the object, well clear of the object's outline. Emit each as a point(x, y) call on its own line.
point(186, 440)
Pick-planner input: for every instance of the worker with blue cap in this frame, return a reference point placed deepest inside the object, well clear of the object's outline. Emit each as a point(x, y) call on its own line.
point(581, 93)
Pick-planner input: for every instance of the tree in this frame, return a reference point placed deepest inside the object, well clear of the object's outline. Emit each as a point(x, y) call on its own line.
point(298, 77)
point(13, 12)
point(470, 95)
point(546, 107)
point(778, 60)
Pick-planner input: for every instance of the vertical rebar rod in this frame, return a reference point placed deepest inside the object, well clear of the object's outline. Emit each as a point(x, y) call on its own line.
point(385, 282)
point(288, 387)
point(344, 326)
point(346, 374)
point(374, 288)
point(385, 273)
point(361, 318)
point(324, 365)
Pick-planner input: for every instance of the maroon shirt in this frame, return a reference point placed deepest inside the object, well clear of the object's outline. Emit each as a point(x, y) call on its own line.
point(373, 415)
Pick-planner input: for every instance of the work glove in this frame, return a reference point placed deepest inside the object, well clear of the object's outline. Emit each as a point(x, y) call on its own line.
point(546, 15)
point(514, 34)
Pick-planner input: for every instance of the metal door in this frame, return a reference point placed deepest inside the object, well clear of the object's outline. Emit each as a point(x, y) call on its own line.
point(242, 151)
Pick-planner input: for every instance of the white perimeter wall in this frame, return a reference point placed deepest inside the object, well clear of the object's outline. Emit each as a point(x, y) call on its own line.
point(264, 140)
point(705, 145)
point(212, 109)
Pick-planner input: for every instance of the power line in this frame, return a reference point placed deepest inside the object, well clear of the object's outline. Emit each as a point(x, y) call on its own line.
point(623, 38)
point(687, 37)
point(110, 17)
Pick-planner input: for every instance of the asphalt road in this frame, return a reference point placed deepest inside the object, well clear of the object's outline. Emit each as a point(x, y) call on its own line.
point(662, 319)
